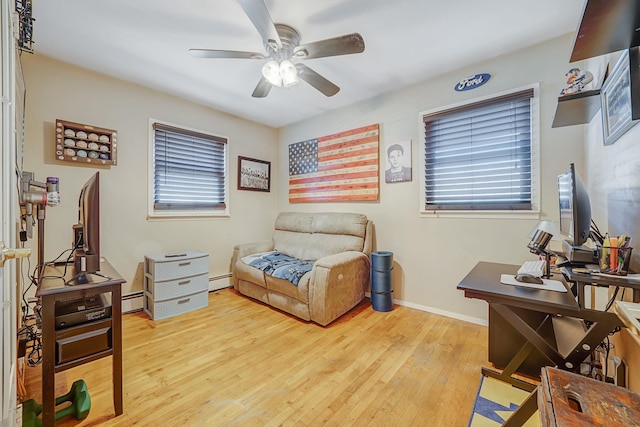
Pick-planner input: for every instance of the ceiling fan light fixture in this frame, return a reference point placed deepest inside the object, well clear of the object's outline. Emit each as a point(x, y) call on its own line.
point(288, 73)
point(271, 73)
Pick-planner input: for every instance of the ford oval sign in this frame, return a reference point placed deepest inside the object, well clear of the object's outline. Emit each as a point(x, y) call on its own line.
point(472, 82)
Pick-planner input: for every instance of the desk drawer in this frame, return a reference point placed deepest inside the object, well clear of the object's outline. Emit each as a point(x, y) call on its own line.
point(82, 341)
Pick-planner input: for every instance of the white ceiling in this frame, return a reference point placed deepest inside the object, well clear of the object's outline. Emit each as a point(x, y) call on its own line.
point(407, 41)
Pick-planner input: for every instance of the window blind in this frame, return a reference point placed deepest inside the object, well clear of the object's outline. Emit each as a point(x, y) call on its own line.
point(189, 169)
point(478, 156)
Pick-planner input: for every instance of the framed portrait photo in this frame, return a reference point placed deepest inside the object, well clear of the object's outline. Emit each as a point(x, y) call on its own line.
point(615, 97)
point(254, 174)
point(398, 163)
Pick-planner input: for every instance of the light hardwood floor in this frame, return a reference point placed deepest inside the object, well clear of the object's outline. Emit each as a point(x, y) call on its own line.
point(241, 363)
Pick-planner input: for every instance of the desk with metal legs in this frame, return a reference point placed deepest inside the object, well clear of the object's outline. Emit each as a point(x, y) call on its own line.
point(552, 323)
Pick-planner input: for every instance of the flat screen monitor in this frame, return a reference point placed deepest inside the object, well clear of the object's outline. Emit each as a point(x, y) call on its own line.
point(575, 213)
point(87, 230)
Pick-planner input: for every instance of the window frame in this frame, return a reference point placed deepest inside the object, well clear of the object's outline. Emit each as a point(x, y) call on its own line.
point(155, 214)
point(534, 211)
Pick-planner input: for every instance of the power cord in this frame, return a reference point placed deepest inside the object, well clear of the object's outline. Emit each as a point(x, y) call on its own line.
point(31, 330)
point(595, 234)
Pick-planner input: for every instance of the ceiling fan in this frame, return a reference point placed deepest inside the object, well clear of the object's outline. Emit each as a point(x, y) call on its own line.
point(283, 47)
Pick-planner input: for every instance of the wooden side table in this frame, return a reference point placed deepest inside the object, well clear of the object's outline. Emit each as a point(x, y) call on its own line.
point(66, 348)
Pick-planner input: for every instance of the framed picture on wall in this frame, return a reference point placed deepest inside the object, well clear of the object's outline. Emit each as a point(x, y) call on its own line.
point(615, 98)
point(398, 168)
point(254, 174)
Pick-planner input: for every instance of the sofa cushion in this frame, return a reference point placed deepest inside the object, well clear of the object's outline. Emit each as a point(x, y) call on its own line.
point(249, 274)
point(280, 265)
point(315, 235)
point(290, 305)
point(254, 291)
point(328, 222)
point(285, 287)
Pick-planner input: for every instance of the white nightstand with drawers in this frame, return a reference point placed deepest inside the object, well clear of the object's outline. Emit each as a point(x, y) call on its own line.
point(175, 283)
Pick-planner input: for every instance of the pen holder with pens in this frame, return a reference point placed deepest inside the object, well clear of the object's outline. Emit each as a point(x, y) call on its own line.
point(614, 259)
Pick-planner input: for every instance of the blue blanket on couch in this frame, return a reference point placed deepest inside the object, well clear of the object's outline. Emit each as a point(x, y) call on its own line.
point(282, 266)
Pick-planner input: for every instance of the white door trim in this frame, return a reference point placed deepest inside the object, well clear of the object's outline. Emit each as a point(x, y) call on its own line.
point(8, 215)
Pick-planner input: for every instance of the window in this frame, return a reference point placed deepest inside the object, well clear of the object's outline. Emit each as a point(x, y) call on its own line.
point(479, 156)
point(189, 174)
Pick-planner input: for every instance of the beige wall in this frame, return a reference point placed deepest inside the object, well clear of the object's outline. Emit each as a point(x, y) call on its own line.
point(433, 254)
point(57, 90)
point(614, 182)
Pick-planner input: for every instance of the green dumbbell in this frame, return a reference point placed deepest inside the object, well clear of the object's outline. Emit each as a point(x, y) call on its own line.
point(31, 406)
point(79, 408)
point(80, 402)
point(30, 419)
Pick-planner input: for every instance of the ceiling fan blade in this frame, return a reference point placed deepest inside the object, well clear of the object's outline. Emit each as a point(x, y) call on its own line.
point(212, 53)
point(316, 80)
point(342, 45)
point(262, 89)
point(258, 13)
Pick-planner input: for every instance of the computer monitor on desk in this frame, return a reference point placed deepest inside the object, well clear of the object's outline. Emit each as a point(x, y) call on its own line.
point(86, 233)
point(575, 217)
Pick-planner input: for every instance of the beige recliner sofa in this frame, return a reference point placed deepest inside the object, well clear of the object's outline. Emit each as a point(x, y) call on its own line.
point(339, 243)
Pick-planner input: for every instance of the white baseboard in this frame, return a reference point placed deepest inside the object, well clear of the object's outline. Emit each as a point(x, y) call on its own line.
point(438, 311)
point(220, 281)
point(135, 301)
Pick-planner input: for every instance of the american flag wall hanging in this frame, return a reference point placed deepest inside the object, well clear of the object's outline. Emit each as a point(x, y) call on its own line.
point(336, 168)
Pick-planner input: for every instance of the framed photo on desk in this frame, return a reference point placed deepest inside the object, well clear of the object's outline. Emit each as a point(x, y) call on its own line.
point(615, 98)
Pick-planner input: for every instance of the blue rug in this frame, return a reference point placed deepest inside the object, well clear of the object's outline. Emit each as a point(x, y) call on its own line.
point(495, 402)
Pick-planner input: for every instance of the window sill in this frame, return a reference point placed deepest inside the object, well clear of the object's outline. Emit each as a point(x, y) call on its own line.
point(178, 215)
point(482, 214)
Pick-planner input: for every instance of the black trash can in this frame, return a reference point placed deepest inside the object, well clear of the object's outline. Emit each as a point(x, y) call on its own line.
point(382, 280)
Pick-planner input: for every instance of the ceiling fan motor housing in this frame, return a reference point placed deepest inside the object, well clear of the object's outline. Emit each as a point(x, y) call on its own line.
point(290, 39)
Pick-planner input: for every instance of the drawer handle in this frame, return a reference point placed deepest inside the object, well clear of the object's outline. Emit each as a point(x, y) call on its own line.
point(184, 282)
point(184, 301)
point(184, 264)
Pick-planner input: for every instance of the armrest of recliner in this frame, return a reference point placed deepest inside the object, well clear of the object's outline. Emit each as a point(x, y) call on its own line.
point(244, 249)
point(337, 284)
